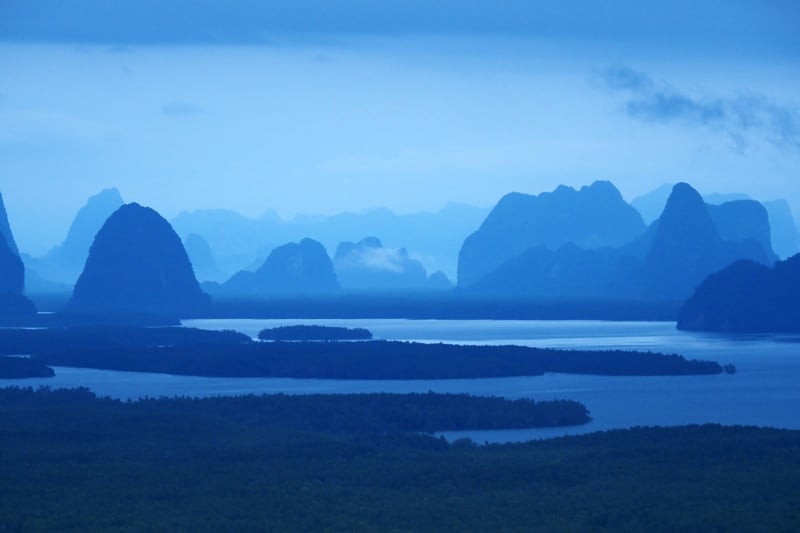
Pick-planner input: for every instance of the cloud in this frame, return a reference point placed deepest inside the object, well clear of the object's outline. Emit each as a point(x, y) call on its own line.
point(180, 109)
point(744, 119)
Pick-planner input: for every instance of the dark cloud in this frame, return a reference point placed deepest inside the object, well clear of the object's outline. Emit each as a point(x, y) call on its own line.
point(180, 109)
point(744, 118)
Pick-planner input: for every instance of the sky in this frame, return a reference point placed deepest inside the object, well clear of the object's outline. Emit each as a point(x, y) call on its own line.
point(323, 107)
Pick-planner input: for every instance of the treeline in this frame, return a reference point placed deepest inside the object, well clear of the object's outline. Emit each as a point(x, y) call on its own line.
point(38, 341)
point(23, 367)
point(371, 360)
point(77, 463)
point(330, 413)
point(314, 333)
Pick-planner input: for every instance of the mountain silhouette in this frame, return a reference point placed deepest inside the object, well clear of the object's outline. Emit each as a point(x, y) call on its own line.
point(12, 273)
point(569, 273)
point(746, 297)
point(664, 263)
point(201, 257)
point(785, 239)
point(651, 204)
point(239, 242)
point(785, 236)
point(438, 281)
point(5, 229)
point(740, 220)
point(368, 266)
point(294, 268)
point(687, 247)
point(593, 217)
point(63, 264)
point(137, 263)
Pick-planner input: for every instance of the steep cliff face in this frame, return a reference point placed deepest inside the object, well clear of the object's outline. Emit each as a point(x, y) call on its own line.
point(593, 217)
point(5, 229)
point(203, 261)
point(12, 273)
point(687, 247)
point(740, 220)
point(137, 263)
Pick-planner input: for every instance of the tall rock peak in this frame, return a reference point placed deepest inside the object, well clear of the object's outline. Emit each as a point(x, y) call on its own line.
point(137, 263)
point(5, 229)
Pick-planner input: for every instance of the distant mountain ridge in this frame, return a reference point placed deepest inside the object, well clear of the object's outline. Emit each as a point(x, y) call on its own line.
point(687, 247)
point(64, 263)
point(293, 268)
point(239, 242)
point(368, 266)
point(784, 233)
point(593, 217)
point(663, 263)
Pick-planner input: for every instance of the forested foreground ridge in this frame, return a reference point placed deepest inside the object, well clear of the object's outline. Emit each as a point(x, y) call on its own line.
point(79, 463)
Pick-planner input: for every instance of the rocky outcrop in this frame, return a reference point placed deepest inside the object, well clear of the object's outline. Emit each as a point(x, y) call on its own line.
point(687, 247)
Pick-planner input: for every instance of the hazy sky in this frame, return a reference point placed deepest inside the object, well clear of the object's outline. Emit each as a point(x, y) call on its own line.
point(319, 107)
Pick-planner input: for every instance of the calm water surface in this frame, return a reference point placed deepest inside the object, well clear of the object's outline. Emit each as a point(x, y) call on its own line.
point(765, 390)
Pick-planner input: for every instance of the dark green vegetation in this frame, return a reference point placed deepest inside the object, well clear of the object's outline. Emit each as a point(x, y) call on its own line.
point(23, 367)
point(88, 338)
point(196, 352)
point(329, 413)
point(314, 333)
point(71, 462)
point(747, 297)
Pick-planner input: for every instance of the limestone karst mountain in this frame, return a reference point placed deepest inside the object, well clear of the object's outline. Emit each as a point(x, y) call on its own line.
point(293, 268)
point(5, 228)
point(784, 235)
point(593, 217)
point(137, 263)
point(64, 263)
point(368, 266)
point(203, 262)
point(239, 242)
point(687, 247)
point(664, 263)
point(12, 273)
